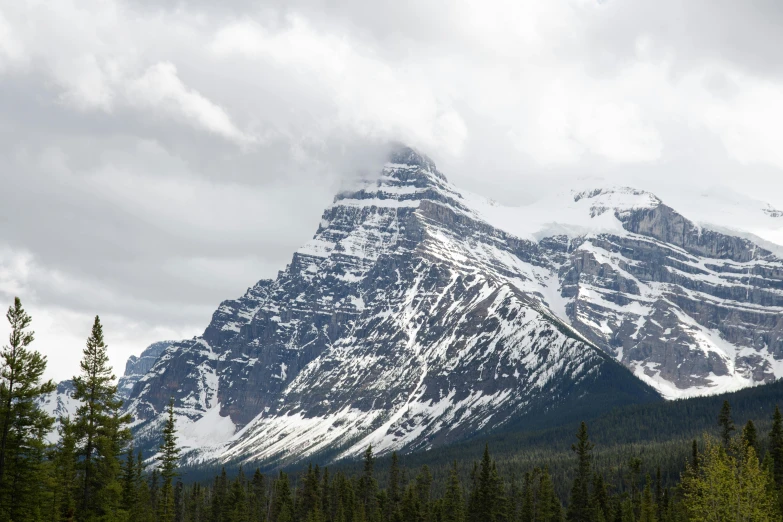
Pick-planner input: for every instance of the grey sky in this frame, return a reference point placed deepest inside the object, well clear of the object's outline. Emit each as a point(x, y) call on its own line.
point(158, 157)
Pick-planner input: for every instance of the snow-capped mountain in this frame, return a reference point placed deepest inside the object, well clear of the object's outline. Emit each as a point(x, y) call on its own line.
point(420, 314)
point(59, 403)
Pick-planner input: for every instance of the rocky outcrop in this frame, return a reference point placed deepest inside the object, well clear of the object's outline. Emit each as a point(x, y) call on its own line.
point(137, 367)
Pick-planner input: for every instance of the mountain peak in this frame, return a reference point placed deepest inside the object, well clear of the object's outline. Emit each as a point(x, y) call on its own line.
point(621, 200)
point(405, 156)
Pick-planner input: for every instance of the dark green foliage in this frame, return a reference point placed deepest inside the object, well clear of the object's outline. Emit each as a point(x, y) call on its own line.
point(99, 430)
point(23, 425)
point(776, 446)
point(749, 435)
point(726, 424)
point(453, 506)
point(169, 457)
point(579, 507)
point(487, 499)
point(367, 489)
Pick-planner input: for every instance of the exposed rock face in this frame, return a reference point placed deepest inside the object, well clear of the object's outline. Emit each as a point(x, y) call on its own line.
point(406, 322)
point(420, 314)
point(690, 310)
point(137, 367)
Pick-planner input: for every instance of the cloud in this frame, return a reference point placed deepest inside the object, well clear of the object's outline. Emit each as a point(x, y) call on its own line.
point(371, 97)
point(159, 88)
point(163, 156)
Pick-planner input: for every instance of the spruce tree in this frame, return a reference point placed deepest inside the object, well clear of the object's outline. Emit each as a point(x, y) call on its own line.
point(23, 424)
point(395, 494)
point(776, 447)
point(307, 501)
point(647, 511)
point(423, 487)
point(129, 490)
point(282, 503)
point(368, 486)
point(237, 507)
point(600, 500)
point(488, 499)
point(550, 508)
point(169, 457)
point(98, 427)
point(258, 501)
point(726, 424)
point(579, 506)
point(453, 503)
point(64, 470)
point(527, 510)
point(749, 436)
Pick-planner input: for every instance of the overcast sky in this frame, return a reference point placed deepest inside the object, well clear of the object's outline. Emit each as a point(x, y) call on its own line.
point(157, 157)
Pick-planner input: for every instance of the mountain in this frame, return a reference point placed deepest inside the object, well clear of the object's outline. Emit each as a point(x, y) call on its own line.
point(137, 367)
point(420, 314)
point(59, 403)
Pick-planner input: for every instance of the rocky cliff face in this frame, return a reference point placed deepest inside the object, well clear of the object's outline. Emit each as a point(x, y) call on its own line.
point(137, 367)
point(420, 314)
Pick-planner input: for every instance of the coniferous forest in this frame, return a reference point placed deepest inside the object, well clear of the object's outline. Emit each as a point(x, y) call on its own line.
point(730, 472)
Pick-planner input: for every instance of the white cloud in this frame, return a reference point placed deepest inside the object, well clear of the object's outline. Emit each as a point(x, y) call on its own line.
point(749, 122)
point(371, 97)
point(11, 49)
point(159, 88)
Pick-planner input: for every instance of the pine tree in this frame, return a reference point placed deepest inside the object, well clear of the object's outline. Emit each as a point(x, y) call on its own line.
point(487, 499)
point(776, 447)
point(726, 424)
point(169, 456)
point(648, 508)
point(237, 507)
point(453, 503)
point(411, 506)
point(423, 487)
point(98, 427)
point(395, 495)
point(368, 486)
point(600, 500)
point(579, 507)
point(550, 508)
point(258, 500)
point(282, 503)
point(143, 510)
point(153, 487)
point(22, 423)
point(527, 510)
point(179, 501)
point(635, 467)
point(129, 490)
point(474, 515)
point(64, 470)
point(307, 501)
point(728, 487)
point(219, 506)
point(749, 436)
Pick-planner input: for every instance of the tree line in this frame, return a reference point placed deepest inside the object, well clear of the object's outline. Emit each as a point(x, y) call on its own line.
point(81, 476)
point(93, 472)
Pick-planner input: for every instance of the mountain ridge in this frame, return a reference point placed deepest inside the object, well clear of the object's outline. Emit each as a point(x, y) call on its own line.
point(420, 314)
